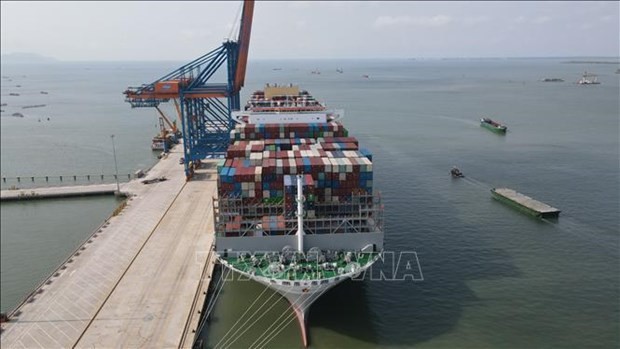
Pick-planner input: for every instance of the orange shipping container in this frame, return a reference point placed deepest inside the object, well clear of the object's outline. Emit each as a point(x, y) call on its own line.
point(171, 86)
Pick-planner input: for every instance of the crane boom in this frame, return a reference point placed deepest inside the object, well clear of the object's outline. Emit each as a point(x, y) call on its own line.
point(205, 107)
point(172, 125)
point(244, 43)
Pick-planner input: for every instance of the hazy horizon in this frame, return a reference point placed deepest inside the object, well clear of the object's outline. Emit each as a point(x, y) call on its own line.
point(52, 60)
point(182, 31)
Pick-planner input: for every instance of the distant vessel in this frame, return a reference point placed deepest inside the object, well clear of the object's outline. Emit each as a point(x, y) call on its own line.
point(277, 69)
point(493, 125)
point(456, 173)
point(340, 70)
point(33, 106)
point(365, 76)
point(552, 80)
point(618, 71)
point(588, 79)
point(316, 71)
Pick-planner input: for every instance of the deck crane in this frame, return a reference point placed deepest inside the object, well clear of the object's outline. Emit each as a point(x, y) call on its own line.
point(204, 107)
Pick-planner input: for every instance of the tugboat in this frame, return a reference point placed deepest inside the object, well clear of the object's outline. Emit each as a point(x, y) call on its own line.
point(493, 125)
point(456, 173)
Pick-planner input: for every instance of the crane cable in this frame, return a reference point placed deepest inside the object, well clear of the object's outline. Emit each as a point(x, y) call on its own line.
point(228, 343)
point(211, 305)
point(235, 22)
point(222, 340)
point(269, 334)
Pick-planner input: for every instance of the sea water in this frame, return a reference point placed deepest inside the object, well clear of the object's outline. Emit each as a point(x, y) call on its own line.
point(492, 277)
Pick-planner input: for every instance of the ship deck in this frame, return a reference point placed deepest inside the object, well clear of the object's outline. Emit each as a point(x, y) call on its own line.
point(302, 270)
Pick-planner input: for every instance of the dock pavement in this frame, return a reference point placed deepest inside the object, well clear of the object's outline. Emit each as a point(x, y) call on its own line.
point(139, 280)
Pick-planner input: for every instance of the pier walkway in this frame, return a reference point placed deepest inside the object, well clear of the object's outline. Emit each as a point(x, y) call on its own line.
point(60, 192)
point(139, 281)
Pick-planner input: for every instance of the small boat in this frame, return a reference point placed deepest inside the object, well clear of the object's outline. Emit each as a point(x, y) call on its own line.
point(339, 70)
point(493, 125)
point(552, 80)
point(365, 76)
point(588, 79)
point(456, 173)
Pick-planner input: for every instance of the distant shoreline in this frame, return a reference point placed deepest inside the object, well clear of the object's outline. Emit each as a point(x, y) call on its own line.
point(591, 62)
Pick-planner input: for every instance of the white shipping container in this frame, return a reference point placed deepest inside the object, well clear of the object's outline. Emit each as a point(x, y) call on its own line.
point(348, 165)
point(328, 164)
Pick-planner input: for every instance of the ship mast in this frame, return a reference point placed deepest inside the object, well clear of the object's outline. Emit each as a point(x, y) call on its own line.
point(300, 215)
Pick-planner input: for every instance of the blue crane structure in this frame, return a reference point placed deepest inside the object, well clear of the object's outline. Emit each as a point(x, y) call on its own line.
point(204, 107)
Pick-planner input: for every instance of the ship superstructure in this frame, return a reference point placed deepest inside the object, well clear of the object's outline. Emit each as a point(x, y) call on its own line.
point(296, 209)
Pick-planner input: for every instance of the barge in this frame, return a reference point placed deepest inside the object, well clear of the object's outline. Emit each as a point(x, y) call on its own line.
point(525, 203)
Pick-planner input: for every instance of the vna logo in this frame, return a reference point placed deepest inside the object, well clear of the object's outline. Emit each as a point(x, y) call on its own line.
point(395, 266)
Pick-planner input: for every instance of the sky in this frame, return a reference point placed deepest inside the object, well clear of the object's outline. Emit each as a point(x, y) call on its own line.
point(179, 31)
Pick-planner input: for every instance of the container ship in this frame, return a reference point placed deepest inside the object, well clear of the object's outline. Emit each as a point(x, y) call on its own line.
point(295, 209)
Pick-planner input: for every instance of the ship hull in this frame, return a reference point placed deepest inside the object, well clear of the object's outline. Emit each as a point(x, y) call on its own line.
point(300, 294)
point(500, 130)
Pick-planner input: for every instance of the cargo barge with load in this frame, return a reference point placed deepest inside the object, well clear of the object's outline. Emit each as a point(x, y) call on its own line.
point(525, 203)
point(296, 210)
point(493, 125)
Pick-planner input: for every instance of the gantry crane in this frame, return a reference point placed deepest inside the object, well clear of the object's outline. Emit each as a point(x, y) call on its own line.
point(204, 107)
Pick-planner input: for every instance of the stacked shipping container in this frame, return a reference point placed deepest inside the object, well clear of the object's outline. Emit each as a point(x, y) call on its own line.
point(262, 160)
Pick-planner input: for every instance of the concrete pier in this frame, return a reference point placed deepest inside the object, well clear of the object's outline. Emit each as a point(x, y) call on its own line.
point(138, 281)
point(59, 192)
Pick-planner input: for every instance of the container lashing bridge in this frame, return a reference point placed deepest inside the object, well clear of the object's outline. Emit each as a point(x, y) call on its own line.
point(204, 106)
